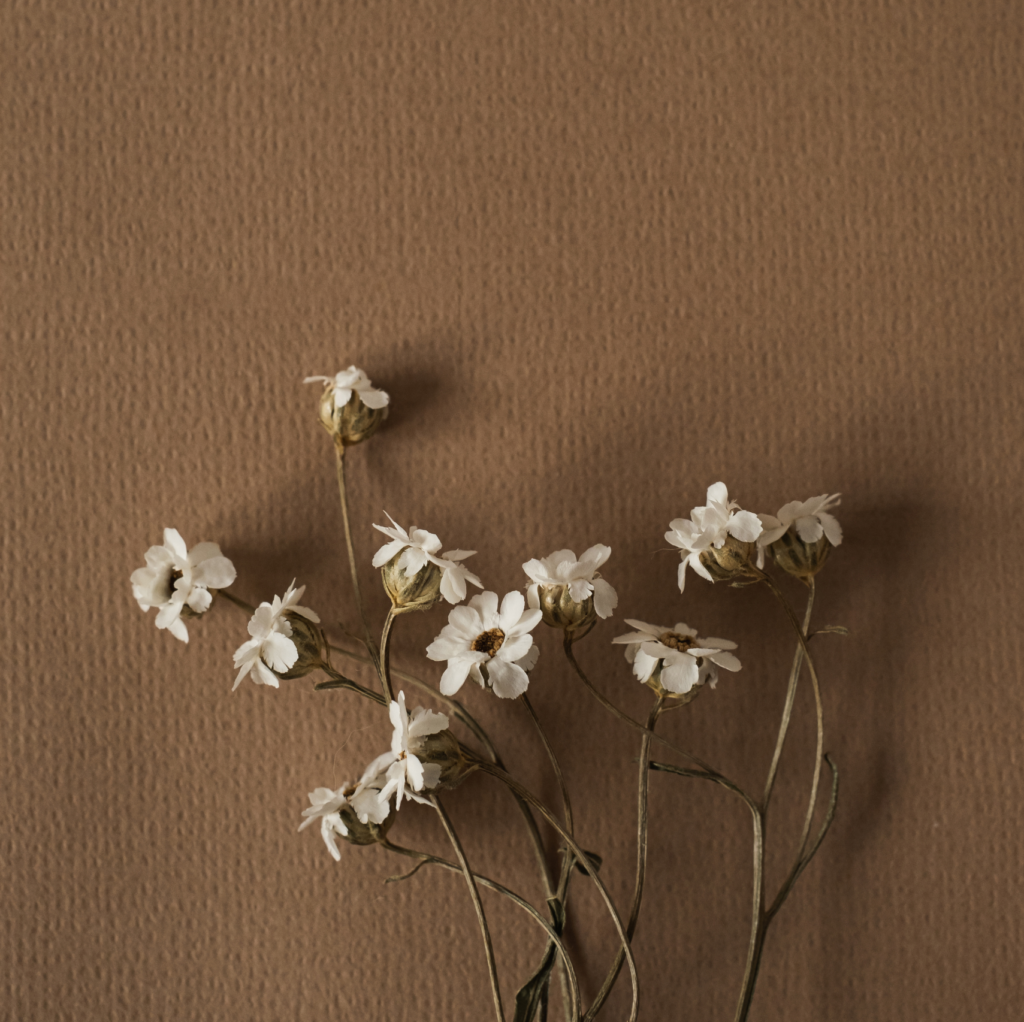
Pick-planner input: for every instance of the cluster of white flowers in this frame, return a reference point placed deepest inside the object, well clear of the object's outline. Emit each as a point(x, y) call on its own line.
point(420, 549)
point(271, 649)
point(176, 578)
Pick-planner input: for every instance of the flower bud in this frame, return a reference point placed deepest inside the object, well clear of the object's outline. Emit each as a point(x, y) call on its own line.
point(310, 642)
point(352, 423)
point(560, 610)
point(363, 833)
point(731, 562)
point(797, 558)
point(443, 748)
point(411, 592)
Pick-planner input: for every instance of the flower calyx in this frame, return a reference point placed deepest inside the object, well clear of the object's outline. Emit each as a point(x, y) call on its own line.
point(800, 538)
point(571, 594)
point(350, 408)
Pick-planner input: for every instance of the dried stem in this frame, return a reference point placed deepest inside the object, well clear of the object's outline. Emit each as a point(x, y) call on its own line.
point(641, 860)
point(586, 862)
point(474, 894)
point(567, 805)
point(433, 860)
point(384, 661)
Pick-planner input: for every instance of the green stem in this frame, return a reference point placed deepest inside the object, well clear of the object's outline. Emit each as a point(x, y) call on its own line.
point(585, 860)
point(641, 860)
point(492, 969)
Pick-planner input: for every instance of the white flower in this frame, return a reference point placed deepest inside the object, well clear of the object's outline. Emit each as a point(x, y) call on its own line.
point(480, 636)
point(271, 649)
point(809, 518)
point(421, 549)
point(686, 660)
point(326, 805)
point(708, 527)
point(562, 569)
point(175, 578)
point(403, 773)
point(348, 382)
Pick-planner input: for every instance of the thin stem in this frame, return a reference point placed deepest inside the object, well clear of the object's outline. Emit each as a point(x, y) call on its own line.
point(231, 598)
point(641, 859)
point(787, 711)
point(758, 925)
point(812, 801)
point(434, 860)
point(384, 662)
point(339, 451)
point(670, 768)
point(474, 894)
point(626, 719)
point(567, 805)
point(585, 860)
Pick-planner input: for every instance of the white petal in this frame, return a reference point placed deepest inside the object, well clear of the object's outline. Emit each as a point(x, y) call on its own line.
point(593, 558)
point(176, 545)
point(199, 600)
point(809, 529)
point(832, 528)
point(387, 551)
point(215, 572)
point(513, 607)
point(725, 660)
point(455, 676)
point(279, 652)
point(681, 676)
point(605, 598)
point(718, 493)
point(507, 680)
point(262, 674)
point(745, 526)
point(486, 605)
point(644, 665)
point(580, 589)
point(695, 563)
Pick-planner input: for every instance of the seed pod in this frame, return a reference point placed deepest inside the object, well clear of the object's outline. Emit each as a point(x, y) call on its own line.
point(416, 592)
point(353, 422)
point(731, 562)
point(443, 748)
point(310, 642)
point(797, 558)
point(560, 610)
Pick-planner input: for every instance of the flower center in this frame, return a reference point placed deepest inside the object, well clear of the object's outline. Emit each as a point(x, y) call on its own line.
point(488, 642)
point(676, 641)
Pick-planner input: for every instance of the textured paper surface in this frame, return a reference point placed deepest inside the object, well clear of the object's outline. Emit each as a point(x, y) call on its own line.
point(601, 255)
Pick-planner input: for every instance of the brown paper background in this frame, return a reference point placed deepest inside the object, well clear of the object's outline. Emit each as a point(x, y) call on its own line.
point(601, 255)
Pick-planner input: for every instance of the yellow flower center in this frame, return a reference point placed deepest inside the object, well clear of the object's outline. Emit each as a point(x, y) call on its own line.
point(676, 641)
point(488, 642)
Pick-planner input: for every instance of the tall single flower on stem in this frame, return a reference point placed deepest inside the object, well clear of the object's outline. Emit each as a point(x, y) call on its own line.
point(484, 643)
point(717, 534)
point(178, 581)
point(271, 651)
point(351, 408)
point(684, 660)
point(418, 549)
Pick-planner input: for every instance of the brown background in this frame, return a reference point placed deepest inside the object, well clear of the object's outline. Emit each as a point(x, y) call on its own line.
point(601, 255)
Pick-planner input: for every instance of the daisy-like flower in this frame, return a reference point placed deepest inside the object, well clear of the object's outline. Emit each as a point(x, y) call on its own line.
point(177, 580)
point(580, 577)
point(404, 773)
point(809, 519)
point(686, 660)
point(348, 382)
point(709, 528)
point(271, 651)
point(327, 805)
point(418, 549)
point(484, 643)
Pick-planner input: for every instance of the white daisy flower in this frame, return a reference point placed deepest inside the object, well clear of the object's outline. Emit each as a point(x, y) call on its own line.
point(562, 569)
point(404, 775)
point(810, 519)
point(270, 651)
point(479, 637)
point(176, 578)
point(348, 382)
point(686, 660)
point(326, 805)
point(420, 549)
point(709, 527)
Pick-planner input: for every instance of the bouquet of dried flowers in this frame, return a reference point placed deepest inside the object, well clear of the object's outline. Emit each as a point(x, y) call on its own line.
point(489, 640)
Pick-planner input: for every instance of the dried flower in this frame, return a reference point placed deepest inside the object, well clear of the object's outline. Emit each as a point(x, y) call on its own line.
point(801, 536)
point(351, 410)
point(415, 552)
point(715, 539)
point(271, 653)
point(178, 581)
point(360, 803)
point(484, 643)
point(675, 660)
point(405, 772)
point(570, 592)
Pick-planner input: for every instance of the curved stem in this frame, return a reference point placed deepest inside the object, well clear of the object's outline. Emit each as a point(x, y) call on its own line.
point(813, 800)
point(339, 452)
point(758, 925)
point(641, 859)
point(433, 860)
point(567, 805)
point(787, 711)
point(585, 860)
point(384, 663)
point(626, 719)
point(474, 894)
